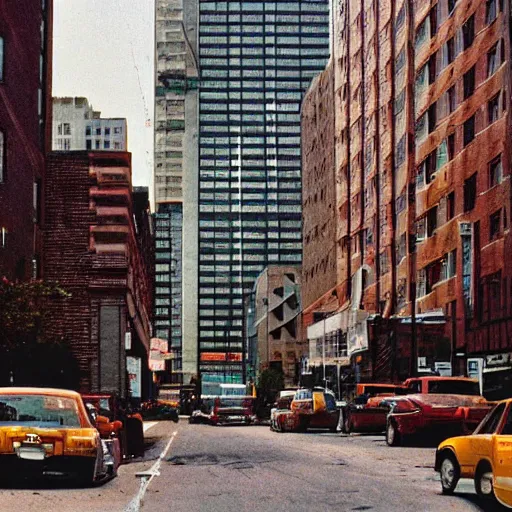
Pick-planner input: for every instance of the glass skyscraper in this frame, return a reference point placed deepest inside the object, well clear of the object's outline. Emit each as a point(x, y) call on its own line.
point(256, 60)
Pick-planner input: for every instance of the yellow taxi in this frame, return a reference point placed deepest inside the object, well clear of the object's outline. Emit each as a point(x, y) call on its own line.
point(49, 433)
point(484, 456)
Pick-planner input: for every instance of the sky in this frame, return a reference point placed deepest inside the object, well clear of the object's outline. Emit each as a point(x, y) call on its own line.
point(103, 50)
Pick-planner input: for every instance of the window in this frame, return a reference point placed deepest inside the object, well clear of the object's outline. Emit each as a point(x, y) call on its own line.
point(449, 265)
point(1, 59)
point(450, 206)
point(451, 99)
point(67, 129)
point(432, 69)
point(107, 131)
point(493, 109)
point(59, 129)
point(469, 83)
point(118, 130)
point(88, 144)
point(490, 424)
point(106, 144)
point(98, 131)
point(493, 59)
point(448, 52)
point(469, 130)
point(2, 156)
point(495, 225)
point(87, 131)
point(495, 172)
point(468, 32)
point(98, 144)
point(431, 221)
point(470, 193)
point(491, 11)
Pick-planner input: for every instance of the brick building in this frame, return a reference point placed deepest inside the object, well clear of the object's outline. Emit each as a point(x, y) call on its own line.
point(25, 131)
point(95, 247)
point(422, 174)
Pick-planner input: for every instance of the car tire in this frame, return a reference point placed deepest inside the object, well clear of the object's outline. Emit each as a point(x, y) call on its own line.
point(392, 434)
point(449, 473)
point(483, 482)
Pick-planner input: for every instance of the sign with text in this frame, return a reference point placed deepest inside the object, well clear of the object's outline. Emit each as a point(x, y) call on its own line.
point(134, 369)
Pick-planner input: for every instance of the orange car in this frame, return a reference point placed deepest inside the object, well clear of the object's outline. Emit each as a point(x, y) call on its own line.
point(48, 433)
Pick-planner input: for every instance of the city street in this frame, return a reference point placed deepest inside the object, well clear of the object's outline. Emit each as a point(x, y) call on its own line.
point(251, 468)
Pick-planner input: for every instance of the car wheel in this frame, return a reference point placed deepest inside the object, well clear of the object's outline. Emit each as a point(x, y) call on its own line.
point(392, 434)
point(483, 482)
point(449, 471)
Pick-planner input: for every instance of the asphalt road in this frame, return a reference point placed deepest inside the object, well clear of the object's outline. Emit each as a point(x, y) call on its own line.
point(204, 468)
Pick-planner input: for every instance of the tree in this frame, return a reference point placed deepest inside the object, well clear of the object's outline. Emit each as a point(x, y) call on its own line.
point(270, 382)
point(24, 310)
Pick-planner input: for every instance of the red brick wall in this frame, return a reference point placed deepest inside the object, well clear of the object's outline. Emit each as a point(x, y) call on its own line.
point(20, 27)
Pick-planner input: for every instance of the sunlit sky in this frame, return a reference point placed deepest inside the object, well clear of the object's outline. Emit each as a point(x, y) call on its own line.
point(98, 44)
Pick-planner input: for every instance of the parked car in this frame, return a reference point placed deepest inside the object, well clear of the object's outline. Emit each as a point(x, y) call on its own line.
point(433, 414)
point(124, 424)
point(159, 410)
point(49, 433)
point(278, 412)
point(368, 415)
point(232, 409)
point(310, 408)
point(442, 385)
point(485, 456)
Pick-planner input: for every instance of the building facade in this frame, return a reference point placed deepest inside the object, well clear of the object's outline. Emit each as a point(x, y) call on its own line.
point(95, 248)
point(274, 324)
point(421, 163)
point(176, 184)
point(257, 59)
point(77, 126)
point(25, 132)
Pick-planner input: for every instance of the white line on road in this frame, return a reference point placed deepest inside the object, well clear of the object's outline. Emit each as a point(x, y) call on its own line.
point(147, 476)
point(149, 424)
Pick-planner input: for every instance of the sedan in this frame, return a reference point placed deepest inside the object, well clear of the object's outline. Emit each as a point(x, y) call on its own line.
point(485, 457)
point(48, 433)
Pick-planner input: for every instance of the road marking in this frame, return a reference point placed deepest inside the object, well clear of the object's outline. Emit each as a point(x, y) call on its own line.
point(149, 424)
point(147, 476)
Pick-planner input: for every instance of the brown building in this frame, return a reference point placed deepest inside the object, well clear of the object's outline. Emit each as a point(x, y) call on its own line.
point(274, 323)
point(92, 248)
point(25, 131)
point(422, 186)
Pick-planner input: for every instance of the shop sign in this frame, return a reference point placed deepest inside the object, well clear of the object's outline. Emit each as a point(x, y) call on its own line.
point(134, 369)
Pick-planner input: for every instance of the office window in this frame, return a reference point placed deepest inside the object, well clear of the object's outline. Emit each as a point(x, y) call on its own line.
point(493, 109)
point(469, 83)
point(495, 172)
point(88, 144)
point(469, 130)
point(106, 144)
point(449, 265)
point(87, 131)
point(494, 59)
point(431, 221)
point(470, 192)
point(495, 225)
point(468, 32)
point(451, 99)
point(98, 144)
point(98, 131)
point(107, 131)
point(448, 55)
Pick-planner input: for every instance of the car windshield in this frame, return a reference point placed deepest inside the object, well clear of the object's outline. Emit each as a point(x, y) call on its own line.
point(454, 387)
point(38, 411)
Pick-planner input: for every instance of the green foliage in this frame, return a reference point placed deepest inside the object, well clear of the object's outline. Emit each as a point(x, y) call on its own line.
point(271, 381)
point(24, 310)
